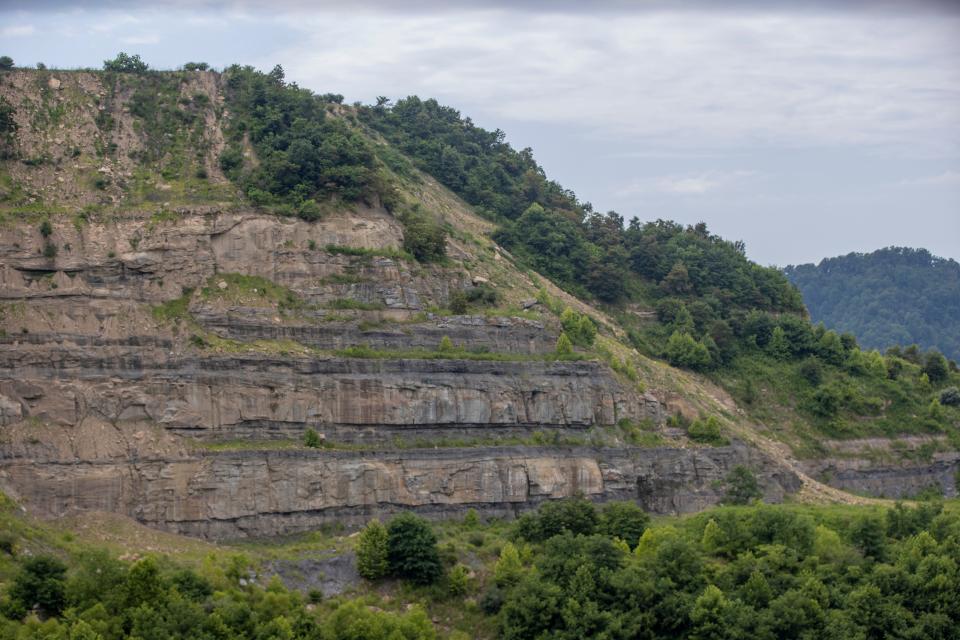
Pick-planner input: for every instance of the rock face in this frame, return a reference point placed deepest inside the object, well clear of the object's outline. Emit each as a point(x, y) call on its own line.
point(151, 379)
point(166, 362)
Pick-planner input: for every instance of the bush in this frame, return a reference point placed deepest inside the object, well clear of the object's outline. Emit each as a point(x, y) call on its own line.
point(423, 237)
point(574, 515)
point(6, 63)
point(579, 327)
point(706, 431)
point(124, 63)
point(742, 486)
point(811, 370)
point(40, 583)
point(950, 397)
point(508, 570)
point(458, 582)
point(936, 367)
point(446, 344)
point(683, 351)
point(372, 553)
point(312, 439)
point(458, 303)
point(412, 549)
point(564, 346)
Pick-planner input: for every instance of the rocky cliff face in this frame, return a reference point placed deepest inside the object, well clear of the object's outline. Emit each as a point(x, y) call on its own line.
point(165, 362)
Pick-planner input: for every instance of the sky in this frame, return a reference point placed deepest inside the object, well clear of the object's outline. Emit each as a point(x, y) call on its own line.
point(806, 129)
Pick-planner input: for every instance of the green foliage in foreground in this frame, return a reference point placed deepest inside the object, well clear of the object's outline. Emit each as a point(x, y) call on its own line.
point(739, 572)
point(571, 569)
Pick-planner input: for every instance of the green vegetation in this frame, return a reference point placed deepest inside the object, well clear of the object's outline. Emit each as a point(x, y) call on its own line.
point(6, 63)
point(125, 63)
point(243, 289)
point(364, 252)
point(894, 296)
point(454, 353)
point(303, 157)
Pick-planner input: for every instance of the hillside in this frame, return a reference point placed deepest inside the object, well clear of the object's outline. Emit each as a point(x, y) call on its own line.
point(233, 308)
point(893, 296)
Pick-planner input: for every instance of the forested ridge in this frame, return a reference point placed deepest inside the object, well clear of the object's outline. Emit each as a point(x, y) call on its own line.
point(892, 296)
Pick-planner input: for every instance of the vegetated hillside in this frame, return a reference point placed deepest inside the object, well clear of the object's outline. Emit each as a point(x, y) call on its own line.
point(234, 308)
point(893, 296)
point(683, 294)
point(244, 314)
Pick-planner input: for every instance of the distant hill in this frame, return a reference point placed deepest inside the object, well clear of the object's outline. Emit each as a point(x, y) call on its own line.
point(892, 296)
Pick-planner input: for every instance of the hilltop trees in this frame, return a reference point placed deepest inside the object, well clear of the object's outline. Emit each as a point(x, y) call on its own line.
point(125, 63)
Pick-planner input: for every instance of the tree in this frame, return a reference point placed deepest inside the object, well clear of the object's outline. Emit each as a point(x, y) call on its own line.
point(713, 617)
point(125, 63)
point(684, 351)
point(372, 552)
point(412, 549)
point(40, 584)
point(936, 367)
point(867, 533)
point(624, 520)
point(508, 570)
point(423, 237)
point(6, 63)
point(779, 345)
point(742, 486)
point(564, 346)
point(445, 344)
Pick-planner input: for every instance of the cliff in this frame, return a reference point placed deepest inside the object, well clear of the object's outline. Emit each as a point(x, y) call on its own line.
point(165, 346)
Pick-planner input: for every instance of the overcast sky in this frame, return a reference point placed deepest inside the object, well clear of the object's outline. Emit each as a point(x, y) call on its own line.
point(804, 129)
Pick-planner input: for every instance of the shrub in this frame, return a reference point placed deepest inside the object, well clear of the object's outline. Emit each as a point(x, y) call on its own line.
point(46, 229)
point(458, 303)
point(936, 367)
point(125, 63)
point(445, 344)
point(578, 327)
point(576, 515)
point(412, 549)
point(508, 570)
point(811, 370)
point(564, 346)
point(683, 351)
point(458, 582)
point(742, 486)
point(950, 397)
point(706, 431)
point(40, 583)
point(6, 63)
point(372, 560)
point(49, 250)
point(312, 439)
point(423, 237)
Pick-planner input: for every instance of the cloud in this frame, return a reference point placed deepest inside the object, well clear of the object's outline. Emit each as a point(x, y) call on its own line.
point(18, 31)
point(679, 79)
point(684, 185)
point(946, 179)
point(150, 38)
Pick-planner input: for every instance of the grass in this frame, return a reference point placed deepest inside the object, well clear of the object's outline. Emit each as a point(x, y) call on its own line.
point(251, 290)
point(396, 254)
point(350, 303)
point(173, 310)
point(450, 354)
